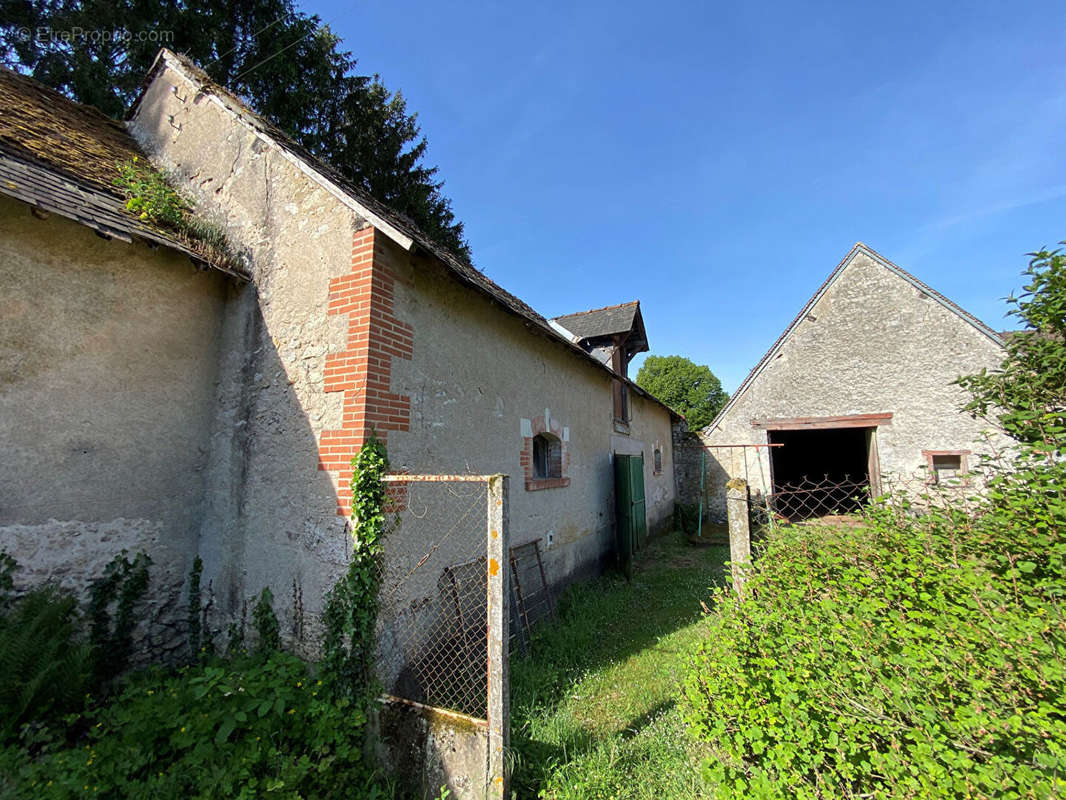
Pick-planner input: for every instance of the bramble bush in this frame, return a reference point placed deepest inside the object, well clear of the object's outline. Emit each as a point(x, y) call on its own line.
point(903, 658)
point(921, 653)
point(246, 728)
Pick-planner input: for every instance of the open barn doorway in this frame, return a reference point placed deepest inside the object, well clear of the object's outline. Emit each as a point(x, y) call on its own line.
point(821, 471)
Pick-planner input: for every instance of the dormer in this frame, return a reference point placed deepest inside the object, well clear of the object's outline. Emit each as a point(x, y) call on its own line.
point(613, 334)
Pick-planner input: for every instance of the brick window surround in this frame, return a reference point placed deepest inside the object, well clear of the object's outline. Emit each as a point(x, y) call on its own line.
point(363, 370)
point(555, 428)
point(936, 460)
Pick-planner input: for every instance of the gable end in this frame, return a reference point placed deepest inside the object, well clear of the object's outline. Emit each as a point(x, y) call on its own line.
point(877, 258)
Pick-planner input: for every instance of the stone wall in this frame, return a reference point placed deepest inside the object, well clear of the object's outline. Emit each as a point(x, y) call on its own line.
point(345, 333)
point(873, 343)
point(108, 365)
point(270, 513)
point(480, 384)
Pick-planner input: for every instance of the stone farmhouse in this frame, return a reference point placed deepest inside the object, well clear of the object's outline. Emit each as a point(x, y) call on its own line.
point(859, 389)
point(212, 408)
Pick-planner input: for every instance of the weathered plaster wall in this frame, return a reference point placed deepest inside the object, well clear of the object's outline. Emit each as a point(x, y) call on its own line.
point(873, 343)
point(108, 364)
point(480, 384)
point(350, 333)
point(270, 513)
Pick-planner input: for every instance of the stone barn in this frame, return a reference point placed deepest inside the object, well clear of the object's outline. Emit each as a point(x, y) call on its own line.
point(856, 395)
point(150, 404)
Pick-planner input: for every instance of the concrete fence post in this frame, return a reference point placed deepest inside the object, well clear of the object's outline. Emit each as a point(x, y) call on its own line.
point(736, 501)
point(499, 711)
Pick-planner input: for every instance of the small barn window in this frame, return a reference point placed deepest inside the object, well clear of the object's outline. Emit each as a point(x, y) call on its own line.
point(621, 402)
point(658, 460)
point(547, 456)
point(946, 466)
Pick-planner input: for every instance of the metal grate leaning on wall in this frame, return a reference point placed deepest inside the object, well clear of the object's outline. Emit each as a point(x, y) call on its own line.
point(442, 569)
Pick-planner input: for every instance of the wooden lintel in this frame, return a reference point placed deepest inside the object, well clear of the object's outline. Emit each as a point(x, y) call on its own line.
point(820, 423)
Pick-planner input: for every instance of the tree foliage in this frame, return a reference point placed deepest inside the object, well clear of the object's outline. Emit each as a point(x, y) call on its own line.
point(285, 63)
point(685, 386)
point(1027, 394)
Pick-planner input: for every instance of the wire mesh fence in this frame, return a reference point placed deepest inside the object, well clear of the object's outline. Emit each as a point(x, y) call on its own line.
point(433, 620)
point(807, 499)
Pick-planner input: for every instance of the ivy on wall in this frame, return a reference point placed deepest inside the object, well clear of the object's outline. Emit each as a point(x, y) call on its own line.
point(352, 604)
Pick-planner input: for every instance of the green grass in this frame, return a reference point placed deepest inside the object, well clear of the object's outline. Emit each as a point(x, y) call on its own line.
point(593, 706)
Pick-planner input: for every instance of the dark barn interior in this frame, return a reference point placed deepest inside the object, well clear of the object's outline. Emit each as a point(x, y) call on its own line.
point(816, 471)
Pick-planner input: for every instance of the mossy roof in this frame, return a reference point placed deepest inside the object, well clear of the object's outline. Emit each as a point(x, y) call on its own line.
point(63, 156)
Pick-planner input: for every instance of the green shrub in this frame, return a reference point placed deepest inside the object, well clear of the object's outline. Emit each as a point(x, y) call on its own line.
point(242, 729)
point(265, 621)
point(916, 656)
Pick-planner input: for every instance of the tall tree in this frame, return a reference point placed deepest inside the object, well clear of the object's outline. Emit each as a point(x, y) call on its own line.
point(287, 65)
point(685, 386)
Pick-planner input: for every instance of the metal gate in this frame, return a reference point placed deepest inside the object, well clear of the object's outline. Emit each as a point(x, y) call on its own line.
point(632, 521)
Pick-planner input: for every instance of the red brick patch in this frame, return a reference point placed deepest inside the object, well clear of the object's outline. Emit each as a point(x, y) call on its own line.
point(363, 370)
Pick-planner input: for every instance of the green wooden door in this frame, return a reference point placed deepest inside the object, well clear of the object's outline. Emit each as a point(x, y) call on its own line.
point(632, 523)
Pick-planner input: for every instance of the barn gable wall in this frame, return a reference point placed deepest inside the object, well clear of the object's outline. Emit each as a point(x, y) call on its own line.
point(873, 343)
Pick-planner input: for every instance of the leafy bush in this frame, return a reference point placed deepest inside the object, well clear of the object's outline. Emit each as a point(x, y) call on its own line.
point(911, 657)
point(243, 729)
point(265, 621)
point(250, 726)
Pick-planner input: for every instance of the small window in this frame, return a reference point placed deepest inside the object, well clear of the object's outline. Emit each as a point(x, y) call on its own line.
point(621, 402)
point(946, 466)
point(547, 457)
point(658, 460)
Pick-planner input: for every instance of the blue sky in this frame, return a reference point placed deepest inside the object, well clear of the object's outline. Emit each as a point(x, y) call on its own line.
point(716, 161)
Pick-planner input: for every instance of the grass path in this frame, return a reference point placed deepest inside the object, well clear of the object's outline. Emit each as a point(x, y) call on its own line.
point(594, 711)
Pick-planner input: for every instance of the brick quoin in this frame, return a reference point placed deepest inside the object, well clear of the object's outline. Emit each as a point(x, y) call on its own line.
point(363, 370)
